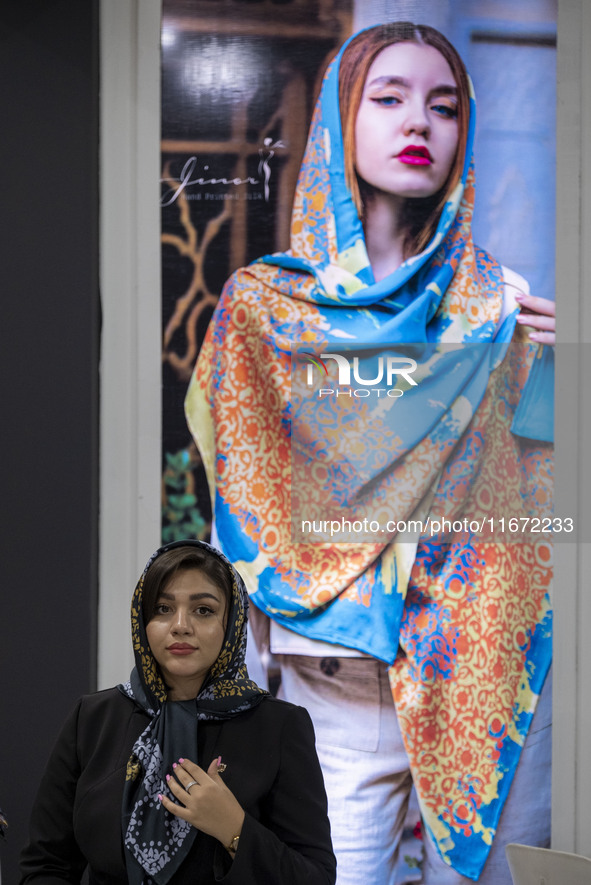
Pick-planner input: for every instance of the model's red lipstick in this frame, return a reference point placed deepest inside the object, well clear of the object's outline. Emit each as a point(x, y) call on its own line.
point(415, 155)
point(180, 648)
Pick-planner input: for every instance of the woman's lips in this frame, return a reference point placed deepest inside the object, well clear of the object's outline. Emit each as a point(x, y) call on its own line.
point(414, 155)
point(179, 649)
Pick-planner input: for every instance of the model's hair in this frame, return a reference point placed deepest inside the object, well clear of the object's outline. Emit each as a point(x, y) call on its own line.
point(421, 215)
point(168, 564)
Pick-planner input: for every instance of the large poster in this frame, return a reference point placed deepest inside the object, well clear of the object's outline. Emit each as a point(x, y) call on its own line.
point(239, 90)
point(237, 98)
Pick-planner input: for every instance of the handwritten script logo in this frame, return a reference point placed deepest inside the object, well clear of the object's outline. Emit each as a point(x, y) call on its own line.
point(178, 185)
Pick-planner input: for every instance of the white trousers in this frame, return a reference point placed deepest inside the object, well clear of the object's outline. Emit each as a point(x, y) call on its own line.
point(368, 779)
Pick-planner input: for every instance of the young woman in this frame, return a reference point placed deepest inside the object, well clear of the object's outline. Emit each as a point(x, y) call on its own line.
point(419, 659)
point(189, 773)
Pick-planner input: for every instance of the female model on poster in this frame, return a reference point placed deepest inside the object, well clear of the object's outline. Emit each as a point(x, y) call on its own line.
point(189, 773)
point(419, 661)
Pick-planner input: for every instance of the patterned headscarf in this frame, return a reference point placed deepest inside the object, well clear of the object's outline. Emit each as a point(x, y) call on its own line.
point(156, 842)
point(471, 616)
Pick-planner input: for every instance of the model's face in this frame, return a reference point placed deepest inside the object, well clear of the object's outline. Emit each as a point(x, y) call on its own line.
point(187, 631)
point(406, 132)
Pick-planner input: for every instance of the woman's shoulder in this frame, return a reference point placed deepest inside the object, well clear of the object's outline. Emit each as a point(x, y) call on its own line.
point(269, 731)
point(104, 718)
point(278, 714)
point(105, 697)
point(99, 717)
point(278, 707)
point(265, 280)
point(106, 705)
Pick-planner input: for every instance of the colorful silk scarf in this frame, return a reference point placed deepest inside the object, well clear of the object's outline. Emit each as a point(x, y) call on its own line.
point(156, 842)
point(463, 623)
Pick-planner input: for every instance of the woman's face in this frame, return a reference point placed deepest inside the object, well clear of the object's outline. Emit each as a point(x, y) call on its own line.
point(187, 631)
point(406, 132)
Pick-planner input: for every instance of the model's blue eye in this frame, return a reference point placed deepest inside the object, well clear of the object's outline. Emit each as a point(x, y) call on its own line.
point(386, 100)
point(444, 110)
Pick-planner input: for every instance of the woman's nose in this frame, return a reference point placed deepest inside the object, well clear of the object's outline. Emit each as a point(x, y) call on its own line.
point(416, 119)
point(182, 622)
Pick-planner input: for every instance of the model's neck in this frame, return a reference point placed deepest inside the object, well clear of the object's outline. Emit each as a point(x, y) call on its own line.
point(384, 232)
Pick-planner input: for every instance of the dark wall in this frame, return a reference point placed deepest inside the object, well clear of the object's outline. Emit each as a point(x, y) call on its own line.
point(49, 335)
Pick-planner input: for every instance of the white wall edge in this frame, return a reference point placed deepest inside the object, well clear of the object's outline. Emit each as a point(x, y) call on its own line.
point(571, 763)
point(130, 413)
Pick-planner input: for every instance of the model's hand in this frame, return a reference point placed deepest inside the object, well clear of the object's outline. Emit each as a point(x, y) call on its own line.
point(540, 314)
point(208, 805)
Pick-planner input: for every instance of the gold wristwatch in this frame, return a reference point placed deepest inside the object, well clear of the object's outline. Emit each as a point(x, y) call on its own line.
point(233, 846)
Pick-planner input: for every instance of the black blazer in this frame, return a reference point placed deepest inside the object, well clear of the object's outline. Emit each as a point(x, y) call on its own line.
point(272, 769)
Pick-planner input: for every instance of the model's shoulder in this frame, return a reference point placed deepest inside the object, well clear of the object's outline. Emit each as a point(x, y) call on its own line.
point(514, 282)
point(238, 277)
point(280, 711)
point(105, 702)
point(260, 271)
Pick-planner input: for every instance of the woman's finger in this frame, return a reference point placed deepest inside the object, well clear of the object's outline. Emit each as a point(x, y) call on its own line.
point(188, 773)
point(543, 337)
point(536, 304)
point(194, 772)
point(216, 768)
point(176, 788)
point(215, 772)
point(538, 314)
point(177, 810)
point(537, 321)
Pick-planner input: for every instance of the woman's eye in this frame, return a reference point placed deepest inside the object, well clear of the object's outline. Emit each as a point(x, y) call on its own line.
point(204, 610)
point(386, 100)
point(162, 608)
point(444, 110)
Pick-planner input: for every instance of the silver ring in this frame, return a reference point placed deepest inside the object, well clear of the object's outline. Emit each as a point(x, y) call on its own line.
point(192, 784)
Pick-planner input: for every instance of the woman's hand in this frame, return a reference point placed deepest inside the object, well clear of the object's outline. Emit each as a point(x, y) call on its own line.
point(540, 314)
point(208, 804)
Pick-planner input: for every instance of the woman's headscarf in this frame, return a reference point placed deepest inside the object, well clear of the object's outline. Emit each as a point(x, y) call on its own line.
point(156, 842)
point(472, 618)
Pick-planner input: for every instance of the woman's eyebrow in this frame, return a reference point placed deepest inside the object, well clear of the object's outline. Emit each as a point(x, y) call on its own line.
point(192, 597)
point(444, 89)
point(390, 80)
